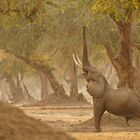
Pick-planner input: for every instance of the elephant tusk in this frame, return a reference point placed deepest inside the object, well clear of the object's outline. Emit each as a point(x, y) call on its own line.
point(76, 61)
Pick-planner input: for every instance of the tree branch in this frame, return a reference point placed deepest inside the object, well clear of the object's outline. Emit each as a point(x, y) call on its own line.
point(109, 51)
point(111, 55)
point(34, 64)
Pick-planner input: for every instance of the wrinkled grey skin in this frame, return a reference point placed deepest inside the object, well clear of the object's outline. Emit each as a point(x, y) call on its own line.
point(122, 102)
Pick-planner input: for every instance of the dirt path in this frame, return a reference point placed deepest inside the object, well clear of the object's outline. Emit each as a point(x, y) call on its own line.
point(77, 122)
point(107, 136)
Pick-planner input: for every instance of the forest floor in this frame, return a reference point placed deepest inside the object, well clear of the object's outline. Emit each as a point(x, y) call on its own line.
point(78, 122)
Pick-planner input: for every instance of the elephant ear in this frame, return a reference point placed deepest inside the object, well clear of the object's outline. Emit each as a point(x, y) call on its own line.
point(96, 87)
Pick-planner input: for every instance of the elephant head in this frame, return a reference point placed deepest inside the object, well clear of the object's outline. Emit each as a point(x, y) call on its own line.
point(96, 81)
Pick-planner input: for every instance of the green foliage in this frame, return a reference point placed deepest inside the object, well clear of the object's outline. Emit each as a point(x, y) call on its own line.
point(49, 31)
point(11, 65)
point(14, 12)
point(119, 9)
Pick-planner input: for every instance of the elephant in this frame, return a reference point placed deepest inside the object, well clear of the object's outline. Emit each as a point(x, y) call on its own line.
point(122, 101)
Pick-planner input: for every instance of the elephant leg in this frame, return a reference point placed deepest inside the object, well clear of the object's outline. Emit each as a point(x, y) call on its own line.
point(127, 120)
point(98, 112)
point(135, 108)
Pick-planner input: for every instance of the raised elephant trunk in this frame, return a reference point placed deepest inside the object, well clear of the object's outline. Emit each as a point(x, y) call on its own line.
point(86, 66)
point(85, 51)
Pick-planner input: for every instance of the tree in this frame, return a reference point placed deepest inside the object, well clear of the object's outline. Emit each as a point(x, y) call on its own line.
point(73, 82)
point(29, 32)
point(44, 88)
point(122, 14)
point(56, 86)
point(10, 70)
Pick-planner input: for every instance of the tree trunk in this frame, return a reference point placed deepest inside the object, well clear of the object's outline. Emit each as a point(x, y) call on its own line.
point(16, 91)
point(44, 87)
point(137, 74)
point(73, 87)
point(123, 62)
point(56, 87)
point(6, 96)
point(23, 87)
point(19, 86)
point(126, 70)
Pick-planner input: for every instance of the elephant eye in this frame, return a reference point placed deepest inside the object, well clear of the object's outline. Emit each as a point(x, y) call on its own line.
point(93, 79)
point(85, 73)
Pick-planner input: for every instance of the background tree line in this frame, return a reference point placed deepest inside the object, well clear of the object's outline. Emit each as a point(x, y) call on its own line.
point(38, 37)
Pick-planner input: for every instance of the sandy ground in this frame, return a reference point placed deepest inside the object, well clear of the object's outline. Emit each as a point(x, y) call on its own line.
point(16, 125)
point(76, 121)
